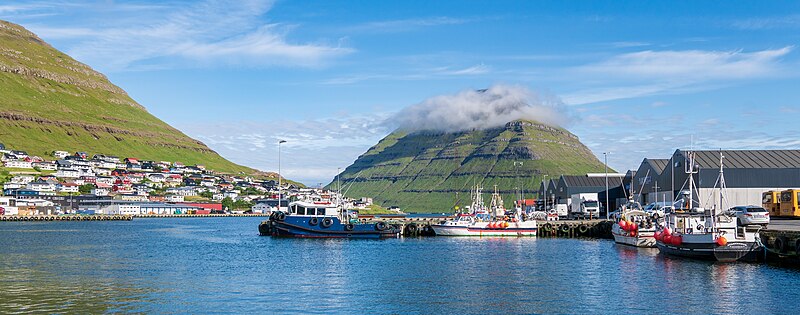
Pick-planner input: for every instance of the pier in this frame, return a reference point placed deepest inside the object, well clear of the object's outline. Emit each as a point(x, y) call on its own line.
point(69, 217)
point(782, 239)
point(562, 228)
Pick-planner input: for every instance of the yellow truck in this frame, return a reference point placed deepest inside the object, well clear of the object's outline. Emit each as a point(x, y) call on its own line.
point(789, 203)
point(771, 200)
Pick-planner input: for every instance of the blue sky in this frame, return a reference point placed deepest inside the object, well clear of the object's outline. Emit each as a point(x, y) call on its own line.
point(637, 79)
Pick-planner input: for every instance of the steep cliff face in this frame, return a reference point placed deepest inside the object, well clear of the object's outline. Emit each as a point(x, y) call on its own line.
point(53, 102)
point(424, 171)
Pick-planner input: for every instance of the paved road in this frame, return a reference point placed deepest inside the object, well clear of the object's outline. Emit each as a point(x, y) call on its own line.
point(784, 224)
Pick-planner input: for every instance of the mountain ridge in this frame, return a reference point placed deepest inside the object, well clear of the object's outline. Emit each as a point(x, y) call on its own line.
point(423, 171)
point(54, 102)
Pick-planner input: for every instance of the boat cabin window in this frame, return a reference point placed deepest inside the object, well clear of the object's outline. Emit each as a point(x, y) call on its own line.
point(299, 210)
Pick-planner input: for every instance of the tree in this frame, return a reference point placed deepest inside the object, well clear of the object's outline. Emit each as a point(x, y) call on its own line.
point(207, 194)
point(227, 203)
point(85, 188)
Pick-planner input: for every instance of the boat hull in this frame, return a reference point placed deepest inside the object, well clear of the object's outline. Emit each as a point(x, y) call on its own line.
point(644, 238)
point(733, 251)
point(527, 228)
point(638, 241)
point(302, 229)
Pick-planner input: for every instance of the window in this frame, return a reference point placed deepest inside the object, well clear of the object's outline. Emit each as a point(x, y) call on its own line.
point(756, 209)
point(767, 198)
point(786, 197)
point(301, 210)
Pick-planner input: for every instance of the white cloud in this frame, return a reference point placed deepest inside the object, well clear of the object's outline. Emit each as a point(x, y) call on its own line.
point(404, 25)
point(313, 151)
point(692, 65)
point(471, 109)
point(413, 75)
point(650, 72)
point(209, 31)
point(788, 21)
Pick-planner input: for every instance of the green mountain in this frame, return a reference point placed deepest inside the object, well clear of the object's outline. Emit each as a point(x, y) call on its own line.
point(433, 172)
point(53, 102)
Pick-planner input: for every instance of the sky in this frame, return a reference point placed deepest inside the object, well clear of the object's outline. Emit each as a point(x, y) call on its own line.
point(634, 79)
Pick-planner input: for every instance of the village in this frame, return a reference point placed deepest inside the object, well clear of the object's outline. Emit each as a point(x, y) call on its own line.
point(80, 183)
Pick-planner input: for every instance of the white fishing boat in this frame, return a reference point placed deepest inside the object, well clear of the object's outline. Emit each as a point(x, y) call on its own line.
point(636, 228)
point(482, 221)
point(710, 234)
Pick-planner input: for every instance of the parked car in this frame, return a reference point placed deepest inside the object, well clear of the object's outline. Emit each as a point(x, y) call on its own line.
point(749, 215)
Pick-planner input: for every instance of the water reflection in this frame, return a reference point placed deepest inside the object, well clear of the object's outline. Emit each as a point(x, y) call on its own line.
point(221, 265)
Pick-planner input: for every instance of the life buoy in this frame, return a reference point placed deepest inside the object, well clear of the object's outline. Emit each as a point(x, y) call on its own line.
point(313, 221)
point(349, 227)
point(380, 226)
point(327, 222)
point(780, 244)
point(280, 216)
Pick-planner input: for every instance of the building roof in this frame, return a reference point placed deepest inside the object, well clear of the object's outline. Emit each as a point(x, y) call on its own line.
point(749, 158)
point(658, 164)
point(587, 181)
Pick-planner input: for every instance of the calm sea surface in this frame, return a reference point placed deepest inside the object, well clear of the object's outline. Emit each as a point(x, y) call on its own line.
point(221, 265)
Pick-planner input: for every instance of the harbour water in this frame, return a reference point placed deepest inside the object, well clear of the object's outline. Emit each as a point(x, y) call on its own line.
point(221, 265)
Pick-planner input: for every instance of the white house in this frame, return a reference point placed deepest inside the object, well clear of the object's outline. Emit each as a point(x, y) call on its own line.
point(100, 191)
point(156, 178)
point(67, 188)
point(47, 166)
point(174, 198)
point(67, 173)
point(41, 186)
point(122, 209)
point(60, 154)
point(182, 191)
point(19, 164)
point(22, 179)
point(12, 185)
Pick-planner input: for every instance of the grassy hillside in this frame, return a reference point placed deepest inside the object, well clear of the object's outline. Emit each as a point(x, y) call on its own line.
point(432, 172)
point(52, 102)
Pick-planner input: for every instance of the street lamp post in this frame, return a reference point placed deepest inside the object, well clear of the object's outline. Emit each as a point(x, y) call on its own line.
point(544, 192)
point(605, 161)
point(280, 193)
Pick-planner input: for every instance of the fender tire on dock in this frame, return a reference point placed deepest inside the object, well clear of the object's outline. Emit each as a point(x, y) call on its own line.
point(781, 244)
point(564, 228)
point(547, 227)
point(380, 226)
point(583, 228)
point(411, 229)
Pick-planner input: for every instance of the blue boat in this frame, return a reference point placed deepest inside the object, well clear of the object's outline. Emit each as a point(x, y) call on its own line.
point(323, 220)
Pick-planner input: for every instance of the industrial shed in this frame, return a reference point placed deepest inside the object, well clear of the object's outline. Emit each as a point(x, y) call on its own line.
point(748, 173)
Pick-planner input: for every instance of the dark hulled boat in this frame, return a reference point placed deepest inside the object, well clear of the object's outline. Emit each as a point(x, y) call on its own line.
point(323, 220)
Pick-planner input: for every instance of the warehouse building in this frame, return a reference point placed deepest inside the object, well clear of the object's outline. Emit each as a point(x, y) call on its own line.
point(748, 173)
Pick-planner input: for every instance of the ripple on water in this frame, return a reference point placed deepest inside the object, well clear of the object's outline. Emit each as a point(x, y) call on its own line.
point(220, 265)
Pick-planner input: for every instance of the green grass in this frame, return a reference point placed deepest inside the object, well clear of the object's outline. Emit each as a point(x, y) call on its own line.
point(374, 209)
point(423, 172)
point(61, 104)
